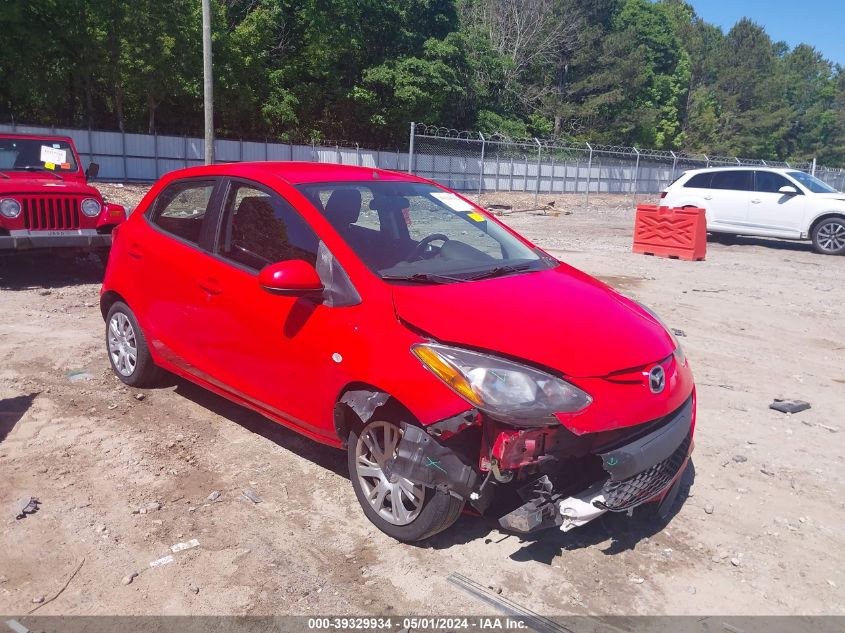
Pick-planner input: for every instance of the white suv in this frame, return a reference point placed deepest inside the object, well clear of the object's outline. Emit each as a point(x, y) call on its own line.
point(769, 202)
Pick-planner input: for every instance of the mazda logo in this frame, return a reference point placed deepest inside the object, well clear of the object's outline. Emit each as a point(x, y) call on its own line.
point(656, 379)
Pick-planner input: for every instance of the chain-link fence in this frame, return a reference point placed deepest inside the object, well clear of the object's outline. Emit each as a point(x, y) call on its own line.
point(473, 162)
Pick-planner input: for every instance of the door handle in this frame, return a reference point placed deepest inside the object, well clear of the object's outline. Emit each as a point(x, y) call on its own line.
point(708, 197)
point(756, 201)
point(211, 286)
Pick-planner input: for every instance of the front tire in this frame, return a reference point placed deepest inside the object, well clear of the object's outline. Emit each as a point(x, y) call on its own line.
point(397, 507)
point(829, 236)
point(127, 349)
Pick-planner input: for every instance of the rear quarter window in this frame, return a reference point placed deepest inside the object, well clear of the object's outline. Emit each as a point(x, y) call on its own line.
point(699, 181)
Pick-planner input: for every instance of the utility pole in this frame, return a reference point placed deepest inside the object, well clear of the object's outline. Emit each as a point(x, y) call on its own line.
point(208, 82)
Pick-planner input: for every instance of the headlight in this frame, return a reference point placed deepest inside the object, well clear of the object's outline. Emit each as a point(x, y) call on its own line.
point(91, 207)
point(678, 351)
point(500, 387)
point(10, 208)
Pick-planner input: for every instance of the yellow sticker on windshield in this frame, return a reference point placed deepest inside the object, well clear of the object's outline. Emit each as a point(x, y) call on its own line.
point(475, 216)
point(50, 165)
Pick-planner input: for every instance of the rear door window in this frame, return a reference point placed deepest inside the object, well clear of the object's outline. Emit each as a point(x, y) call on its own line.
point(735, 180)
point(181, 208)
point(700, 181)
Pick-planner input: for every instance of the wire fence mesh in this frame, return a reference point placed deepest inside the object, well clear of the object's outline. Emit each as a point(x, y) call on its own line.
point(473, 162)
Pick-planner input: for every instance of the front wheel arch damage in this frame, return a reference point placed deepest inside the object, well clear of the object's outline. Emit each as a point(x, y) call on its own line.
point(358, 404)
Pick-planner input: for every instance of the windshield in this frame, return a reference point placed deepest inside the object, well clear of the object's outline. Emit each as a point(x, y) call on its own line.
point(811, 182)
point(27, 154)
point(410, 232)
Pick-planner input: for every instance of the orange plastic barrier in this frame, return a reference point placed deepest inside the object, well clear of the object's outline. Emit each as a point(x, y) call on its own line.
point(675, 233)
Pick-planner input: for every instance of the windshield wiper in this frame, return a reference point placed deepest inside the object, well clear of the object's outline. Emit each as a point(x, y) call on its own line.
point(499, 271)
point(39, 168)
point(423, 278)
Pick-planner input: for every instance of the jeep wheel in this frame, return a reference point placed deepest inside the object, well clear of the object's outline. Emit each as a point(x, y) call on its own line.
point(127, 348)
point(395, 505)
point(829, 236)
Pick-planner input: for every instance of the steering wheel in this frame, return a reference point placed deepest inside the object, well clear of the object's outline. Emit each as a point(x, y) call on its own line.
point(423, 244)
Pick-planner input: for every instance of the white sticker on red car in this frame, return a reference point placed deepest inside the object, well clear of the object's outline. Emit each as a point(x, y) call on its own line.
point(53, 155)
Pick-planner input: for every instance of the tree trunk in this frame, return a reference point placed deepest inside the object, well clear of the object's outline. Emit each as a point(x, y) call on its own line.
point(152, 105)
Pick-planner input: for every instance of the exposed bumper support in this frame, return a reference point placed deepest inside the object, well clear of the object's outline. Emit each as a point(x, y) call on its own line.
point(581, 508)
point(423, 460)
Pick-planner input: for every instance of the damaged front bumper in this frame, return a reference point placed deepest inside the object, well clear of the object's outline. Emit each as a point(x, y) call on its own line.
point(629, 469)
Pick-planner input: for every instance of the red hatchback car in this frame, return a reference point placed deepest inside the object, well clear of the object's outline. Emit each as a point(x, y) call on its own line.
point(380, 312)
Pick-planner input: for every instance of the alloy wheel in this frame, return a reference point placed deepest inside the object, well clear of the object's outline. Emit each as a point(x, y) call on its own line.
point(123, 346)
point(831, 237)
point(396, 500)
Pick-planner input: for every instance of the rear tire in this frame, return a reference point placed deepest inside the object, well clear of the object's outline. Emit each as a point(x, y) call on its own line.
point(829, 236)
point(127, 349)
point(420, 513)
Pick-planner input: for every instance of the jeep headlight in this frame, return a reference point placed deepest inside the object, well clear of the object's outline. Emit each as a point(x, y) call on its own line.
point(10, 208)
point(91, 207)
point(505, 389)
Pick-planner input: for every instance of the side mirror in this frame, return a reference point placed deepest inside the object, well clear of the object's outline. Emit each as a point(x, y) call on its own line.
point(92, 171)
point(788, 190)
point(293, 278)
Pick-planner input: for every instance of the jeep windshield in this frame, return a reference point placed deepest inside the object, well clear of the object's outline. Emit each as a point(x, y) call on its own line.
point(32, 154)
point(410, 232)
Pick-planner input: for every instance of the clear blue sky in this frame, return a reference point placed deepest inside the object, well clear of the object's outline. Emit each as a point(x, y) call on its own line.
point(820, 23)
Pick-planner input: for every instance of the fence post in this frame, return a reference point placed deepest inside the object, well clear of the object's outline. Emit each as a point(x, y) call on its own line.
point(537, 185)
point(185, 149)
point(339, 157)
point(813, 168)
point(90, 146)
point(481, 169)
point(155, 152)
point(707, 159)
point(510, 178)
point(266, 150)
point(674, 164)
point(125, 162)
point(358, 157)
point(411, 149)
point(637, 172)
point(589, 171)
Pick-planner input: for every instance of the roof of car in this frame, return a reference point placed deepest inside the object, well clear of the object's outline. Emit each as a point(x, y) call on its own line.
point(295, 172)
point(739, 168)
point(37, 137)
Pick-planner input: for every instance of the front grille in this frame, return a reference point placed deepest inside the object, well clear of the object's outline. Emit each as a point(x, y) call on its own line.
point(41, 213)
point(631, 492)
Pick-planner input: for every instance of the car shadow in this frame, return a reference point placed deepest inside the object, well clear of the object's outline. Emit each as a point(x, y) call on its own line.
point(623, 532)
point(43, 270)
point(319, 454)
point(766, 242)
point(11, 412)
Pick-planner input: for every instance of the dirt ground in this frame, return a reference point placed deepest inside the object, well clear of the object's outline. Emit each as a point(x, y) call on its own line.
point(122, 475)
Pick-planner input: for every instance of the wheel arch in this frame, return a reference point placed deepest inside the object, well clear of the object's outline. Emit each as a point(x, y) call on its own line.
point(826, 215)
point(358, 402)
point(107, 300)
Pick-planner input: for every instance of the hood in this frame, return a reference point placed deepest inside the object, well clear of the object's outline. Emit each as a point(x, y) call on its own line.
point(559, 318)
point(44, 185)
point(831, 196)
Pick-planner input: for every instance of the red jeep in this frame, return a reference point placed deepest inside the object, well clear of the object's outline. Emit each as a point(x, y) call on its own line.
point(46, 201)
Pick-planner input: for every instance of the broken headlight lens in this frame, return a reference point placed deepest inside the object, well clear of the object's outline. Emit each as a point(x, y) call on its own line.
point(678, 351)
point(501, 387)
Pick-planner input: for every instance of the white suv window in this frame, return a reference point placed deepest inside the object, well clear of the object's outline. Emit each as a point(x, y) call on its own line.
point(734, 179)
